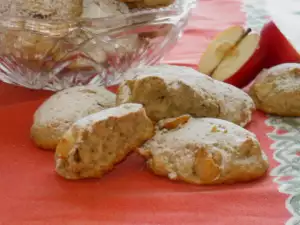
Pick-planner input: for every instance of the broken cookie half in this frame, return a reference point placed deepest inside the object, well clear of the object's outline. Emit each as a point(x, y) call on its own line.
point(204, 151)
point(96, 143)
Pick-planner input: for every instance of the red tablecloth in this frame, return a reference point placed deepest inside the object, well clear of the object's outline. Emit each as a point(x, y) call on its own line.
point(31, 193)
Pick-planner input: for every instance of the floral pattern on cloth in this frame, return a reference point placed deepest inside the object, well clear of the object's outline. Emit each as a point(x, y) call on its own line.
point(286, 133)
point(286, 147)
point(256, 15)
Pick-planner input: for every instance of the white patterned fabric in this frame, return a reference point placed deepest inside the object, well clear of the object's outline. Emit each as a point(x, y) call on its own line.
point(286, 14)
point(256, 14)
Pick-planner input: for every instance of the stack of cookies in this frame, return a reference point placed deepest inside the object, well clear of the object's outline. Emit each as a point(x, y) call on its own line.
point(34, 43)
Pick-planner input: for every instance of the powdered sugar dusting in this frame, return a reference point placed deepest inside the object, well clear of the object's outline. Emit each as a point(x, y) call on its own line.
point(111, 112)
point(103, 8)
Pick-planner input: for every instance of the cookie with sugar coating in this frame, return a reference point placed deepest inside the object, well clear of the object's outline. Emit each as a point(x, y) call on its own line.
point(277, 90)
point(204, 151)
point(168, 91)
point(54, 117)
point(42, 9)
point(35, 42)
point(97, 49)
point(96, 143)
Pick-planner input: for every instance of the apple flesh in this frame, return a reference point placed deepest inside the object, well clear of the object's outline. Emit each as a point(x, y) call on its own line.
point(243, 63)
point(279, 48)
point(234, 56)
point(218, 48)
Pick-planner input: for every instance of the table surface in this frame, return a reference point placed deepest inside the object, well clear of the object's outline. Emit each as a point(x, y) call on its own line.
point(31, 193)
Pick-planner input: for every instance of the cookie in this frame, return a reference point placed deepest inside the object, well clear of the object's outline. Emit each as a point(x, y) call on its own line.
point(42, 9)
point(31, 41)
point(277, 90)
point(204, 151)
point(41, 44)
point(103, 8)
point(168, 91)
point(31, 49)
point(97, 49)
point(95, 144)
point(55, 116)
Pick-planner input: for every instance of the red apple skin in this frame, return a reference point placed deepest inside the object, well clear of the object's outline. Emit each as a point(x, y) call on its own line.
point(113, 89)
point(274, 49)
point(278, 47)
point(249, 70)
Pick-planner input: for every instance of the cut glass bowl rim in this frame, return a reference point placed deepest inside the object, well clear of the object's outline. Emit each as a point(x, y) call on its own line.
point(178, 9)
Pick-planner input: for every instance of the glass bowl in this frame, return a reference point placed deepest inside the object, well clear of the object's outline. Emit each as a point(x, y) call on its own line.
point(57, 54)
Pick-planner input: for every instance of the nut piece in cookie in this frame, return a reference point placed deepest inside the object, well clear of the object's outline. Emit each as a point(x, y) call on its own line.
point(96, 143)
point(205, 151)
point(173, 123)
point(277, 90)
point(168, 91)
point(54, 117)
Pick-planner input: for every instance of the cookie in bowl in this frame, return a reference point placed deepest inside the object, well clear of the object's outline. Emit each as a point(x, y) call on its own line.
point(31, 39)
point(54, 117)
point(42, 43)
point(277, 90)
point(34, 41)
point(42, 9)
point(204, 151)
point(95, 144)
point(168, 91)
point(95, 48)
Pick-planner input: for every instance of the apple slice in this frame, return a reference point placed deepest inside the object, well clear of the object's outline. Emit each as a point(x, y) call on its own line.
point(243, 63)
point(219, 47)
point(238, 62)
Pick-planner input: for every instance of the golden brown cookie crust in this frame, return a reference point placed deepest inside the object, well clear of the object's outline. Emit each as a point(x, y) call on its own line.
point(95, 144)
point(54, 117)
point(277, 90)
point(168, 91)
point(205, 151)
